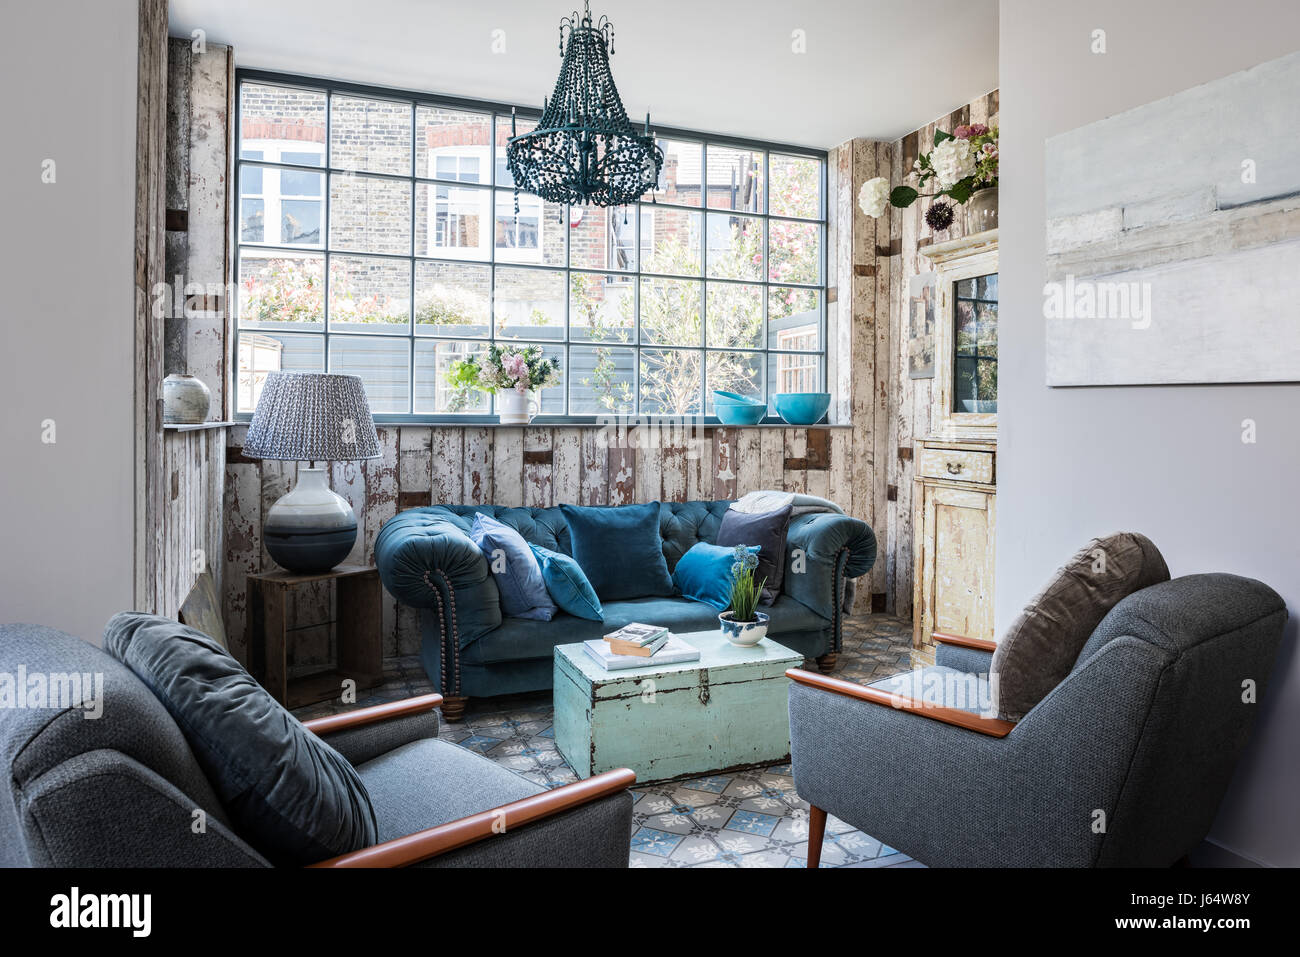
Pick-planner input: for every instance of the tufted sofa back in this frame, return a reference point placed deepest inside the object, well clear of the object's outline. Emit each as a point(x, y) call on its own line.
point(681, 524)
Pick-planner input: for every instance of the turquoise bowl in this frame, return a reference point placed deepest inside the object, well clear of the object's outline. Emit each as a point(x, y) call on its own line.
point(802, 408)
point(733, 409)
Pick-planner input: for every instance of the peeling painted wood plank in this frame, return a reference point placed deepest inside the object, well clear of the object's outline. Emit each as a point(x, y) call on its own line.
point(415, 465)
point(622, 474)
point(277, 479)
point(840, 490)
point(381, 476)
point(795, 478)
point(538, 473)
point(508, 467)
point(446, 449)
point(477, 479)
point(724, 464)
point(593, 481)
point(566, 462)
point(348, 481)
point(699, 466)
point(771, 458)
point(672, 473)
point(749, 457)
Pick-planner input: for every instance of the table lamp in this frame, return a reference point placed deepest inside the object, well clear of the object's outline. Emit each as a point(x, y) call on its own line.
point(311, 417)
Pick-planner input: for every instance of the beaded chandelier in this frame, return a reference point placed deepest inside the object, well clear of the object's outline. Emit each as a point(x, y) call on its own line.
point(585, 150)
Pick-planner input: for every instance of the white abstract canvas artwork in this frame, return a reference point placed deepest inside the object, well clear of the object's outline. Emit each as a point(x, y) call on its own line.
point(1173, 238)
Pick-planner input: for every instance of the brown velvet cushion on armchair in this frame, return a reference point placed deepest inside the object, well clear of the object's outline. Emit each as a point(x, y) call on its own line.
point(1043, 643)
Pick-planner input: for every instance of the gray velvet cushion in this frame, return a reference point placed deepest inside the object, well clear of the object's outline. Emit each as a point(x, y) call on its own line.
point(767, 531)
point(289, 794)
point(1043, 643)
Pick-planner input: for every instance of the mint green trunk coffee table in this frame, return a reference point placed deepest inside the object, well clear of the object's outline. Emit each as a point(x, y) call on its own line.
point(728, 709)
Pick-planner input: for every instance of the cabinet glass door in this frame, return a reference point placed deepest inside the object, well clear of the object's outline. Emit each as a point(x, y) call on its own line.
point(975, 344)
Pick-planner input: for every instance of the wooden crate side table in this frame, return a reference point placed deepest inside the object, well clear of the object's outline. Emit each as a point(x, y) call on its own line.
point(725, 711)
point(357, 626)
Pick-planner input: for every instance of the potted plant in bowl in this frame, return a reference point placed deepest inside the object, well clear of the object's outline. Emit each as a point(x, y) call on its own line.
point(743, 624)
point(512, 374)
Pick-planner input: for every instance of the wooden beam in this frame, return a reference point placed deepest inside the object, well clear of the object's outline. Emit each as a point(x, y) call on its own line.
point(380, 712)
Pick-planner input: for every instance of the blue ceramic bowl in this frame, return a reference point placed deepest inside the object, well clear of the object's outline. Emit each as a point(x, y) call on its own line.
point(733, 409)
point(802, 408)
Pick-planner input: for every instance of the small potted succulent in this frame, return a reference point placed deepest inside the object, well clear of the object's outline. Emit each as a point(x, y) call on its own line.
point(743, 624)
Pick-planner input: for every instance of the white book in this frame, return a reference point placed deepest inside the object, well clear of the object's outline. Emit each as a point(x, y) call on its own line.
point(674, 652)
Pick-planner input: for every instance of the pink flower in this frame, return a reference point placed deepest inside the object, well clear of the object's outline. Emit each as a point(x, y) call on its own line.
point(522, 387)
point(990, 149)
point(977, 129)
point(962, 132)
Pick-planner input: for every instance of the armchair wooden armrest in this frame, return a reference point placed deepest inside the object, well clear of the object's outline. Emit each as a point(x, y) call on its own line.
point(961, 641)
point(379, 712)
point(422, 845)
point(994, 727)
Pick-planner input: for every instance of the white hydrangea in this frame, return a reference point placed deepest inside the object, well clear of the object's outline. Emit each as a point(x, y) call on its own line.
point(873, 198)
point(952, 160)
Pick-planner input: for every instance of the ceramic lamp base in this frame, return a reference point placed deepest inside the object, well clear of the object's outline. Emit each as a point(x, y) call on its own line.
point(311, 529)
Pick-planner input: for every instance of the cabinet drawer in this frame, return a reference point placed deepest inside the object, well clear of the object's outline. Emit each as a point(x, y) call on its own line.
point(959, 465)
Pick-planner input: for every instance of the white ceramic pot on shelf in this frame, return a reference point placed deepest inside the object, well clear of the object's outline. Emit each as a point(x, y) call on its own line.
point(185, 400)
point(516, 408)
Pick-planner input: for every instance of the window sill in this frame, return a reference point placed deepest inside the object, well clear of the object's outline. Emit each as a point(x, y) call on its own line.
point(557, 422)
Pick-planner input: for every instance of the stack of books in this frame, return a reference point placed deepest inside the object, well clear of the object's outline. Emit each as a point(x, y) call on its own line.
point(637, 645)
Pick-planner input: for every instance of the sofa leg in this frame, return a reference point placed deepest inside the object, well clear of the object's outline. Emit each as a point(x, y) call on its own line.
point(453, 707)
point(816, 834)
point(828, 661)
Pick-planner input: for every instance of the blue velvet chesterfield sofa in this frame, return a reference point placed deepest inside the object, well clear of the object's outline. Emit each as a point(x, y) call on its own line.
point(427, 561)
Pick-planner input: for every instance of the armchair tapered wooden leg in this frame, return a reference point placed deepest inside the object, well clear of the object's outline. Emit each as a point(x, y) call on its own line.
point(816, 833)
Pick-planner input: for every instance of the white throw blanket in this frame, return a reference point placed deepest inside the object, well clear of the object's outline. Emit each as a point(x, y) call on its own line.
point(769, 500)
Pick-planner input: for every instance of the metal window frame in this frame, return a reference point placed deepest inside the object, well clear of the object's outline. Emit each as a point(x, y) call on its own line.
point(495, 111)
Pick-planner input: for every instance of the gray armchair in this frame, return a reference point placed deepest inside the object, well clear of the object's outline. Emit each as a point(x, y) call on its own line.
point(122, 789)
point(1124, 763)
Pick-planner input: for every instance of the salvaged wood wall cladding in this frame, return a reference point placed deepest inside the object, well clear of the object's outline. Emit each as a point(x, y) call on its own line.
point(534, 466)
point(909, 399)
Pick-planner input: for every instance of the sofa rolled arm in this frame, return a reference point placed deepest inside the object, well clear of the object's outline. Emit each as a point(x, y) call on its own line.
point(426, 560)
point(814, 546)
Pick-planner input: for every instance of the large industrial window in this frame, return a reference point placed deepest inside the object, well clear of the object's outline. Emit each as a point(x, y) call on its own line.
point(378, 234)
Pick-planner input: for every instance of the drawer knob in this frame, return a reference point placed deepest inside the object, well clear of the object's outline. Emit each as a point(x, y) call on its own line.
point(954, 468)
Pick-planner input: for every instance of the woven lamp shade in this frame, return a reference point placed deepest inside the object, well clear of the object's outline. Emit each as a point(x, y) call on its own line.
point(312, 417)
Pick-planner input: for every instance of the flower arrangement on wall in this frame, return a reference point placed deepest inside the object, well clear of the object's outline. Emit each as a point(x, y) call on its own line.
point(961, 164)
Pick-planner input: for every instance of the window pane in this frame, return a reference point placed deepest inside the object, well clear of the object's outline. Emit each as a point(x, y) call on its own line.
point(370, 215)
point(368, 294)
point(529, 302)
point(679, 180)
point(735, 179)
point(735, 315)
point(281, 292)
point(793, 318)
point(793, 373)
point(670, 241)
point(796, 186)
point(452, 299)
point(734, 372)
point(434, 392)
point(735, 247)
point(602, 308)
point(670, 381)
point(452, 144)
point(602, 380)
point(670, 312)
point(794, 252)
point(533, 235)
point(604, 238)
point(450, 222)
point(502, 135)
point(260, 353)
point(371, 135)
point(300, 222)
point(252, 220)
point(384, 366)
point(273, 118)
point(552, 397)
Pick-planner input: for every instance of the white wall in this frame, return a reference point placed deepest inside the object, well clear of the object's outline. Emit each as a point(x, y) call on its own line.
point(1166, 461)
point(68, 69)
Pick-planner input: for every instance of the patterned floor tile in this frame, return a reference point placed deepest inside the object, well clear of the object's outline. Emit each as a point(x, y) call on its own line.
point(750, 818)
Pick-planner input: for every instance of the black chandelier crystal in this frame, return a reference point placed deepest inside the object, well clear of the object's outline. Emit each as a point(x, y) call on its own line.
point(585, 150)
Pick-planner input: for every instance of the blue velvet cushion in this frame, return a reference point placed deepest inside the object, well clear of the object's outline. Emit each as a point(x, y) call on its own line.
point(567, 585)
point(289, 794)
point(515, 568)
point(620, 549)
point(704, 573)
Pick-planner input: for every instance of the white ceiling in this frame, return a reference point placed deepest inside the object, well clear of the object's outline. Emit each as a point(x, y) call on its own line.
point(872, 68)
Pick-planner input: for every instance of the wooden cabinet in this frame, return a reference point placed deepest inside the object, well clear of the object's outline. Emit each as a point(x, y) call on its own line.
point(955, 522)
point(955, 495)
